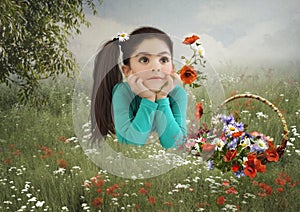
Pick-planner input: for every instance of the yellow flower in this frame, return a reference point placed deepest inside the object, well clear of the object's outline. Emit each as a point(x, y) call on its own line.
point(201, 51)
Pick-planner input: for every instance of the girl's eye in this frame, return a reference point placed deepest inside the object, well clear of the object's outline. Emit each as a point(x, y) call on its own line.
point(164, 60)
point(143, 60)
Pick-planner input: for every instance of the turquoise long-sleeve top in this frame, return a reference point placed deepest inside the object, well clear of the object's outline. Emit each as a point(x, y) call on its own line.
point(136, 117)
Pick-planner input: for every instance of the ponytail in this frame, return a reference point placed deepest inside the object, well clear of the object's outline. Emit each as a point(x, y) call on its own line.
point(106, 75)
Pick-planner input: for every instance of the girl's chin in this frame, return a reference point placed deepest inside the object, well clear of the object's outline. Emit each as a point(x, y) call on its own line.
point(154, 84)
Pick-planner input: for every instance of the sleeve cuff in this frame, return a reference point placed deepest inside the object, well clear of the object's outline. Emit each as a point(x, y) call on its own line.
point(149, 103)
point(163, 101)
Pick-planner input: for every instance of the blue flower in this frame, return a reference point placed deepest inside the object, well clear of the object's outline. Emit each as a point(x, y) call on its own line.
point(239, 174)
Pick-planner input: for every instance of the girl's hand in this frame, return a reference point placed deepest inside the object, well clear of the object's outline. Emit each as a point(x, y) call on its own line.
point(169, 85)
point(137, 87)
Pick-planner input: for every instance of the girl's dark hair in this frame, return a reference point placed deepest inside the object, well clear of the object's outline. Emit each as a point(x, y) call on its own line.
point(107, 74)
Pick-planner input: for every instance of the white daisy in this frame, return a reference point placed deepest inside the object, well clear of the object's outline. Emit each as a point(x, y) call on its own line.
point(201, 51)
point(219, 144)
point(123, 36)
point(245, 142)
point(262, 144)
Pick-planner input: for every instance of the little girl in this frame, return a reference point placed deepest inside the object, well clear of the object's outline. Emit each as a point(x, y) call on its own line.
point(150, 100)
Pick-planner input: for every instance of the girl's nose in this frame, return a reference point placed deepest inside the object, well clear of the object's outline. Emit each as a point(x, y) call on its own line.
point(156, 69)
point(156, 66)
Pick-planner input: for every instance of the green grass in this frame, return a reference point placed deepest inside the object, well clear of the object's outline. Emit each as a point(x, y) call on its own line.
point(33, 143)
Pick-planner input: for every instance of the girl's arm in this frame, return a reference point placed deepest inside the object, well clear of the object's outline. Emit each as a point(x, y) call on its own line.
point(132, 128)
point(170, 119)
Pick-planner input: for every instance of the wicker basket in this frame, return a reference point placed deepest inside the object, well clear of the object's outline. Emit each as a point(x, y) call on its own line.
point(280, 149)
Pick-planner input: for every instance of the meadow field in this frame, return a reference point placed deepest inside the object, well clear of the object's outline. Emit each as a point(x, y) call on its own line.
point(43, 167)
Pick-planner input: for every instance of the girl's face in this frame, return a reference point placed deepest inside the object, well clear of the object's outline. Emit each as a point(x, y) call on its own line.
point(152, 60)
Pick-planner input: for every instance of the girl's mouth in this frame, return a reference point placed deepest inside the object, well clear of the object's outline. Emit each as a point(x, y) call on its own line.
point(155, 77)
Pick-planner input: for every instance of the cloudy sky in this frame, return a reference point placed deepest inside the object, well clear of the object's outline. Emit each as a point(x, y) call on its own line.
point(262, 32)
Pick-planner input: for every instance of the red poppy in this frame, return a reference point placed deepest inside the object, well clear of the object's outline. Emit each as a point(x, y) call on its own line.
point(110, 190)
point(237, 134)
point(280, 181)
point(191, 40)
point(255, 133)
point(93, 180)
point(272, 155)
point(115, 194)
point(62, 138)
point(97, 201)
point(230, 155)
point(115, 186)
point(16, 153)
point(221, 200)
point(280, 189)
point(262, 185)
point(199, 111)
point(147, 184)
point(143, 191)
point(206, 147)
point(231, 190)
point(99, 182)
point(270, 144)
point(49, 152)
point(99, 190)
point(250, 171)
point(61, 163)
point(260, 194)
point(235, 168)
point(253, 165)
point(43, 156)
point(225, 183)
point(292, 184)
point(151, 200)
point(259, 166)
point(7, 161)
point(268, 190)
point(287, 178)
point(188, 74)
point(86, 184)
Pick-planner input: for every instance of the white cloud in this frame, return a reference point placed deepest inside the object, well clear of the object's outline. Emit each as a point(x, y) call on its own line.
point(236, 31)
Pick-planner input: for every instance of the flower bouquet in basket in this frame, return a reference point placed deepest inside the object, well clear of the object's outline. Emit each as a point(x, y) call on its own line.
point(230, 147)
point(234, 149)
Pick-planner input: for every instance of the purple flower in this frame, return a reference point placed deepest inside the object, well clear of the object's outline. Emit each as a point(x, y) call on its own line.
point(228, 119)
point(256, 148)
point(239, 126)
point(230, 122)
point(210, 165)
point(247, 135)
point(232, 144)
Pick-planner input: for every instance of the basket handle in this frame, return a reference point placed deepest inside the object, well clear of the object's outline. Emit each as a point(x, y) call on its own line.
point(280, 149)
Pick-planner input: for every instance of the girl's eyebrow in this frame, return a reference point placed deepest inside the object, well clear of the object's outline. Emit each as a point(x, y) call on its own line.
point(149, 54)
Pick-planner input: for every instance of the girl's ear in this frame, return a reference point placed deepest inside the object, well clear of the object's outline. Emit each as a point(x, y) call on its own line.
point(126, 70)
